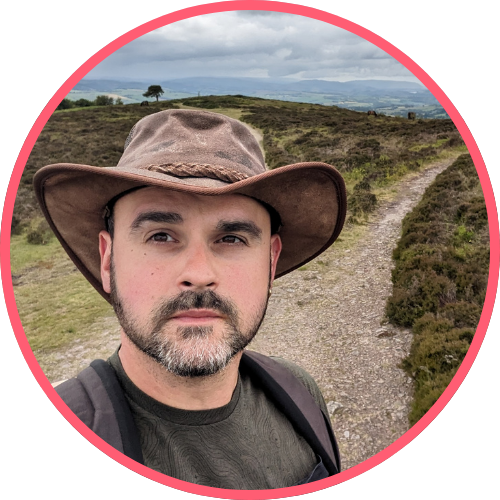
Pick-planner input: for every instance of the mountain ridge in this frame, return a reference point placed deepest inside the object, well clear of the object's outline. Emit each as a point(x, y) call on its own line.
point(390, 97)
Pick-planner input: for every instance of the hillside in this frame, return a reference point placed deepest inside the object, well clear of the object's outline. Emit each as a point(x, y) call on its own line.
point(371, 152)
point(328, 316)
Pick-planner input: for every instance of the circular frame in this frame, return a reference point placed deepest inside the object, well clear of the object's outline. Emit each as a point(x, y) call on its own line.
point(272, 7)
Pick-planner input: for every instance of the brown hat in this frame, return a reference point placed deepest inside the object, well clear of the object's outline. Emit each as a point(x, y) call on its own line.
point(195, 152)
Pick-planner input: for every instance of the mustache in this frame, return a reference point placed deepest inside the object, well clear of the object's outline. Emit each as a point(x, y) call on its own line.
point(186, 300)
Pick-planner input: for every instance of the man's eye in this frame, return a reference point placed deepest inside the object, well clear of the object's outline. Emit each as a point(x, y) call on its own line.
point(231, 239)
point(161, 237)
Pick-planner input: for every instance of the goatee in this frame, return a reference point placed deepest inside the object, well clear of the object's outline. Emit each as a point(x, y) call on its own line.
point(192, 351)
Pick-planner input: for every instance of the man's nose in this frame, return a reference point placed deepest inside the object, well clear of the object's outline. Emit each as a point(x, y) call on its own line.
point(198, 270)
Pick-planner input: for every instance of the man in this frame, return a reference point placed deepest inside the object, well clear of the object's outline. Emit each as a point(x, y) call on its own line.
point(184, 238)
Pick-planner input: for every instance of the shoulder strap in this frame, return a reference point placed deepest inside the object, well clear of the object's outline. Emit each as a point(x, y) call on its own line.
point(296, 402)
point(97, 399)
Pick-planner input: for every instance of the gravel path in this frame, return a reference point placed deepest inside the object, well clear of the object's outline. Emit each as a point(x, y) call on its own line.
point(329, 319)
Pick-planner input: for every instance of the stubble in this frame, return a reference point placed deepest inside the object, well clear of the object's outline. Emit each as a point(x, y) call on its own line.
point(194, 351)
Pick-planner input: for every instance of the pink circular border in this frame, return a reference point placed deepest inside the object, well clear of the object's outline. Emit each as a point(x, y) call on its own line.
point(273, 7)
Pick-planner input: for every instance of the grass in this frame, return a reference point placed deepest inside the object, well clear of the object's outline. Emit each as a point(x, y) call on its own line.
point(56, 303)
point(114, 119)
point(436, 144)
point(24, 256)
point(231, 112)
point(54, 312)
point(70, 110)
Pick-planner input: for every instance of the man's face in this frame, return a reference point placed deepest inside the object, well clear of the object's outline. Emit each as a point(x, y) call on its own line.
point(189, 275)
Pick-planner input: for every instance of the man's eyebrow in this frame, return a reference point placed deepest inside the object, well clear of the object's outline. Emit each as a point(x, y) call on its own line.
point(155, 216)
point(241, 226)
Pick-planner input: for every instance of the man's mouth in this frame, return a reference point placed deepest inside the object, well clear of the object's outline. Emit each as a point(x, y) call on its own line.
point(196, 316)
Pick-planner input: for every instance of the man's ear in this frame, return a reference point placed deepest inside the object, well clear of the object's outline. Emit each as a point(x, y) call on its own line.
point(105, 245)
point(275, 253)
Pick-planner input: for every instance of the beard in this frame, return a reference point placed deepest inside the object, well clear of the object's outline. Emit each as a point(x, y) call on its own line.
point(191, 351)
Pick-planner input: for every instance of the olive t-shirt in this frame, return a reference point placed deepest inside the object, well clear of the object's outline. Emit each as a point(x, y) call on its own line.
point(246, 444)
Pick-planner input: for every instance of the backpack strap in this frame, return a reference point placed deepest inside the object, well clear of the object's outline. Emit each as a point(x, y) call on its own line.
point(297, 404)
point(97, 399)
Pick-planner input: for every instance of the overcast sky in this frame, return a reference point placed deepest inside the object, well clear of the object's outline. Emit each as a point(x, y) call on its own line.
point(251, 44)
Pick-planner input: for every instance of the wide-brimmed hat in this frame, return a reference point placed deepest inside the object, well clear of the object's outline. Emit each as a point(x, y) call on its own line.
point(201, 153)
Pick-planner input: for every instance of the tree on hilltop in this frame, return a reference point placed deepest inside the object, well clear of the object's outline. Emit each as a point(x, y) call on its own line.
point(154, 91)
point(83, 103)
point(103, 100)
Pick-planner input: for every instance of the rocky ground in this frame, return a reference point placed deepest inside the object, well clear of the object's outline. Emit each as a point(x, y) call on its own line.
point(328, 318)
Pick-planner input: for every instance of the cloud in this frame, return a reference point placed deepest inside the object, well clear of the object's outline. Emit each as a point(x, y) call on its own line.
point(250, 43)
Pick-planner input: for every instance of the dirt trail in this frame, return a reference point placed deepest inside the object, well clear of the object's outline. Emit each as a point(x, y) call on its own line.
point(326, 318)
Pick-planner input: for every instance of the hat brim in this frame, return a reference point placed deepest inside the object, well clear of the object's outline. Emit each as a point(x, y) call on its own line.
point(310, 198)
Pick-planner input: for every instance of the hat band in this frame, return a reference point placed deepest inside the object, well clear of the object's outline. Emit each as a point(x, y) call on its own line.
point(197, 170)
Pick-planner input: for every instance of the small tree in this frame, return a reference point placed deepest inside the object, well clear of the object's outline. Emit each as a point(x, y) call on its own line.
point(103, 100)
point(41, 235)
point(118, 101)
point(154, 91)
point(83, 103)
point(66, 104)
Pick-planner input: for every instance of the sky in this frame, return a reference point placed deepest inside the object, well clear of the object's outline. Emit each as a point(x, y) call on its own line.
point(251, 44)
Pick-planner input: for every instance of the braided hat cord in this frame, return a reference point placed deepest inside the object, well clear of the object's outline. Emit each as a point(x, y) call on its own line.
point(197, 170)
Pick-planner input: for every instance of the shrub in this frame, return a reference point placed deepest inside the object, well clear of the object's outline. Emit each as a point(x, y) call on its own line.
point(437, 350)
point(83, 103)
point(429, 322)
point(65, 104)
point(103, 100)
point(16, 226)
point(41, 235)
point(462, 235)
point(356, 159)
point(363, 185)
point(473, 213)
point(418, 293)
point(372, 144)
point(440, 278)
point(34, 237)
point(362, 201)
point(430, 389)
point(462, 314)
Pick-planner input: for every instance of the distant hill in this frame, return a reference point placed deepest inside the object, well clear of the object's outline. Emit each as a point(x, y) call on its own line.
point(108, 85)
point(369, 151)
point(393, 98)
